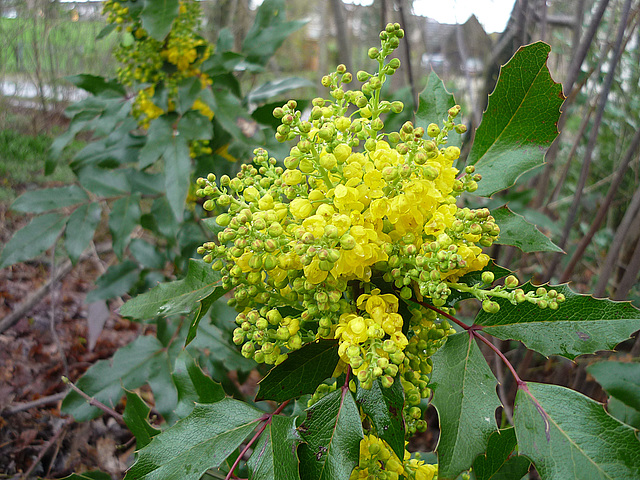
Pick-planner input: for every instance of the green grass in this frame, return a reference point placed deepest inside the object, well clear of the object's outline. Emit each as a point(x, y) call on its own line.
point(63, 47)
point(22, 160)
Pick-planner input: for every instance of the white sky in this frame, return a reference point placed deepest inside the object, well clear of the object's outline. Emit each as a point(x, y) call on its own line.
point(492, 14)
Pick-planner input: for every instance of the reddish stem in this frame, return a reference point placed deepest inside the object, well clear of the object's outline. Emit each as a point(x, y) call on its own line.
point(266, 420)
point(473, 332)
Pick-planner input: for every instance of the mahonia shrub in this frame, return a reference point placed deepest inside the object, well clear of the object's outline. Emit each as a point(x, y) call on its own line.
point(343, 263)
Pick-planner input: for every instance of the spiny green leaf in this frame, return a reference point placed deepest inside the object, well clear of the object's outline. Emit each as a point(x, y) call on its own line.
point(125, 215)
point(158, 136)
point(301, 372)
point(581, 324)
point(196, 443)
point(620, 380)
point(466, 400)
point(193, 385)
point(520, 121)
point(143, 361)
point(173, 298)
point(116, 281)
point(47, 199)
point(516, 231)
point(149, 256)
point(205, 304)
point(274, 456)
point(217, 343)
point(623, 412)
point(157, 17)
point(32, 240)
point(500, 462)
point(332, 432)
point(177, 171)
point(105, 182)
point(195, 126)
point(433, 107)
point(97, 85)
point(273, 88)
point(384, 407)
point(268, 32)
point(568, 436)
point(136, 416)
point(81, 226)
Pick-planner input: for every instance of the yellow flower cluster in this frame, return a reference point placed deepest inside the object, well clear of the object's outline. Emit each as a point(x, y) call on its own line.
point(146, 60)
point(379, 461)
point(308, 247)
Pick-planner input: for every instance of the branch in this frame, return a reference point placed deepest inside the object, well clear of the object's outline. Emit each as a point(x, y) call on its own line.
point(21, 407)
point(96, 403)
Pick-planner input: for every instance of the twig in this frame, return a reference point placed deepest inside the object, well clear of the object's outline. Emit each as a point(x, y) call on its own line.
point(93, 402)
point(47, 446)
point(52, 316)
point(21, 407)
point(266, 420)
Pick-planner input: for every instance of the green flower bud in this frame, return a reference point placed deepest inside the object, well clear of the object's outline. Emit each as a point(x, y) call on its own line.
point(487, 277)
point(363, 76)
point(373, 53)
point(490, 306)
point(278, 112)
point(511, 281)
point(347, 242)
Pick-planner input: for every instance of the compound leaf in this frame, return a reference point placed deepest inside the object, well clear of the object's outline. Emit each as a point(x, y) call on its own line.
point(332, 432)
point(136, 416)
point(193, 385)
point(81, 226)
point(32, 240)
point(433, 107)
point(301, 372)
point(516, 231)
point(466, 400)
point(568, 436)
point(274, 456)
point(383, 406)
point(172, 298)
point(520, 121)
point(196, 443)
point(581, 324)
point(125, 215)
point(116, 281)
point(47, 199)
point(144, 360)
point(500, 462)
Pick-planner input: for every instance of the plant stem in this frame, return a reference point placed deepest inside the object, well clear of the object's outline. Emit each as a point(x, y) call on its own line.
point(266, 420)
point(96, 403)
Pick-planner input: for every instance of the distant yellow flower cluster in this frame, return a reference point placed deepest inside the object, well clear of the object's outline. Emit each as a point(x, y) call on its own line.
point(148, 63)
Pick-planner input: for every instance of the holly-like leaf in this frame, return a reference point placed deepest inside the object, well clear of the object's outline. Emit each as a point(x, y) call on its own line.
point(177, 171)
point(105, 182)
point(520, 121)
point(157, 17)
point(81, 226)
point(620, 380)
point(196, 443)
point(623, 412)
point(32, 240)
point(97, 85)
point(205, 304)
point(268, 32)
point(500, 462)
point(301, 372)
point(136, 416)
point(195, 126)
point(581, 324)
point(125, 215)
point(332, 432)
point(173, 298)
point(217, 343)
point(146, 254)
point(569, 436)
point(273, 88)
point(116, 281)
point(193, 385)
point(433, 107)
point(47, 199)
point(516, 231)
point(466, 400)
point(145, 360)
point(274, 456)
point(383, 406)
